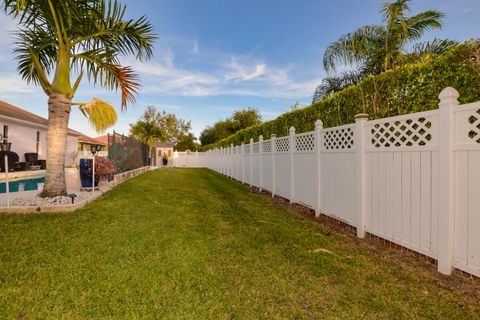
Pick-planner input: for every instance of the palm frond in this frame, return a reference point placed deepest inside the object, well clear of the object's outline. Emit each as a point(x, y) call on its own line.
point(417, 25)
point(435, 46)
point(333, 84)
point(393, 12)
point(36, 53)
point(94, 33)
point(100, 114)
point(103, 68)
point(106, 27)
point(353, 47)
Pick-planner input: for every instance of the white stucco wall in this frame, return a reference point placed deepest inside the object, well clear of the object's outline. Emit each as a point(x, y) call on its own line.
point(23, 137)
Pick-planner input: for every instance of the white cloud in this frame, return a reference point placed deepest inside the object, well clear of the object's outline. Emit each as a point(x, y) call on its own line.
point(12, 84)
point(228, 75)
point(242, 72)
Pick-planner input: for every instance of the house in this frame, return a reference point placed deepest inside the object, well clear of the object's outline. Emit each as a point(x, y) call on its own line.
point(85, 142)
point(28, 133)
point(84, 151)
point(104, 140)
point(160, 149)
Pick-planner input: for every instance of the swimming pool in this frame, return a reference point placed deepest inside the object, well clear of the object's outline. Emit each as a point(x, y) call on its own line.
point(26, 184)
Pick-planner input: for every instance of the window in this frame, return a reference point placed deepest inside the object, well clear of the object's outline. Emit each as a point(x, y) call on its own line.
point(159, 153)
point(37, 147)
point(169, 153)
point(5, 133)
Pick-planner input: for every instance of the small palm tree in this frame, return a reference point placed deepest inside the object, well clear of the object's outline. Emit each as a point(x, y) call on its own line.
point(380, 48)
point(147, 129)
point(61, 39)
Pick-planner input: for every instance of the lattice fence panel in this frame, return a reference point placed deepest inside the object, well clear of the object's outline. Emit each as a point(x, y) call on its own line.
point(406, 133)
point(256, 147)
point(305, 142)
point(474, 131)
point(267, 146)
point(338, 139)
point(282, 144)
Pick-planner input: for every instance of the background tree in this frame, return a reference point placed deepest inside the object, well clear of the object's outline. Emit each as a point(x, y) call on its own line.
point(159, 126)
point(172, 127)
point(58, 40)
point(246, 118)
point(221, 129)
point(146, 130)
point(377, 48)
point(207, 136)
point(186, 142)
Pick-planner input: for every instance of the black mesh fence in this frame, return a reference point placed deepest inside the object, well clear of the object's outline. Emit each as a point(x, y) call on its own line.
point(128, 153)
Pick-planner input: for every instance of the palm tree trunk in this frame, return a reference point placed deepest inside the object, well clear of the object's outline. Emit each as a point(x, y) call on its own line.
point(58, 115)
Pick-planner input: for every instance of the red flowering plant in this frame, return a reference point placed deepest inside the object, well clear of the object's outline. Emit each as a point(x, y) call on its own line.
point(104, 168)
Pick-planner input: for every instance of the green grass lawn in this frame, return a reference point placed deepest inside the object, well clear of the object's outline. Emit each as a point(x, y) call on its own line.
point(191, 244)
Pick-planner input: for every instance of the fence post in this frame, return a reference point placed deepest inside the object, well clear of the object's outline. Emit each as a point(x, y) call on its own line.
point(243, 161)
point(225, 159)
point(213, 159)
point(260, 162)
point(232, 156)
point(227, 156)
point(360, 120)
point(318, 165)
point(446, 192)
point(251, 163)
point(239, 163)
point(221, 160)
point(274, 147)
point(291, 148)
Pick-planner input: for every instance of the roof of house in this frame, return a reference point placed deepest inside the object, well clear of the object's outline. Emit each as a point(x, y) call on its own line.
point(90, 140)
point(103, 139)
point(164, 144)
point(11, 111)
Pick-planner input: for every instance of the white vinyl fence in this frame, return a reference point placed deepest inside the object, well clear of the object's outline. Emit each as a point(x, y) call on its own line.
point(412, 179)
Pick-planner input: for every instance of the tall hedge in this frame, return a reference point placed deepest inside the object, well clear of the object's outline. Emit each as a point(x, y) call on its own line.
point(407, 89)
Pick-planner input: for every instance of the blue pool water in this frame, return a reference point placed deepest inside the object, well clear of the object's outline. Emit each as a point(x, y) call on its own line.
point(28, 184)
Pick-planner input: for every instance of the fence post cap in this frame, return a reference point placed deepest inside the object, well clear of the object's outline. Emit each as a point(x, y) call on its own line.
point(449, 95)
point(251, 140)
point(273, 136)
point(361, 116)
point(260, 138)
point(291, 130)
point(319, 124)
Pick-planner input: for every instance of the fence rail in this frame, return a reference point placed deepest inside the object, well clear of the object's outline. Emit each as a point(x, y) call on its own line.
point(412, 179)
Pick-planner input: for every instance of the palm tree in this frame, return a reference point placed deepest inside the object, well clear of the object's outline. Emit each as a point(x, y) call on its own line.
point(147, 129)
point(61, 39)
point(379, 48)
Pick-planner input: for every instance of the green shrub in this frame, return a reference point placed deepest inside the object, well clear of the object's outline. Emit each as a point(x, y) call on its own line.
point(407, 89)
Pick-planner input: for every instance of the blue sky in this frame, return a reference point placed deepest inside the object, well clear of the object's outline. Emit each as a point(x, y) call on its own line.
point(216, 56)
